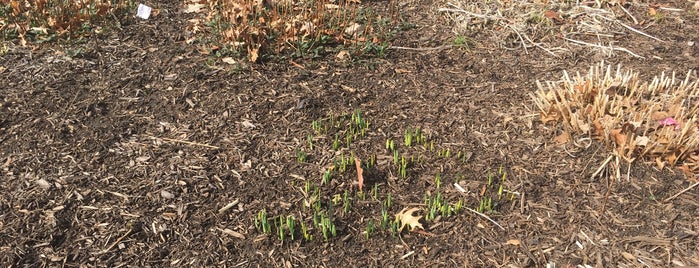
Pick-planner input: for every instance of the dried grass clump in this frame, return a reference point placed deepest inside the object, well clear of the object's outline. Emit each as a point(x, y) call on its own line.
point(255, 27)
point(655, 121)
point(553, 26)
point(41, 20)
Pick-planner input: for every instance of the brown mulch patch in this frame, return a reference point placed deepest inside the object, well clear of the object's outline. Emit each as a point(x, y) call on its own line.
point(124, 154)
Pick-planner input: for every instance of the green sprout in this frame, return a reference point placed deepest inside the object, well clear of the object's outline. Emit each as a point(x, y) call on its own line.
point(346, 202)
point(336, 143)
point(394, 228)
point(263, 222)
point(384, 218)
point(327, 176)
point(395, 157)
point(437, 180)
point(459, 204)
point(307, 187)
point(280, 228)
point(301, 156)
point(310, 142)
point(408, 138)
point(388, 200)
point(317, 126)
point(375, 192)
point(290, 224)
point(304, 230)
point(369, 228)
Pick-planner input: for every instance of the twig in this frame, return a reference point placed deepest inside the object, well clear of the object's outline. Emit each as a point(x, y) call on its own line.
point(639, 32)
point(486, 217)
point(541, 47)
point(681, 192)
point(601, 167)
point(187, 142)
point(116, 242)
point(603, 47)
point(421, 48)
point(628, 13)
point(524, 45)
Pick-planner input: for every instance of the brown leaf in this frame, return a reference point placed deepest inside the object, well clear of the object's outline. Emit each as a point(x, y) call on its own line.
point(514, 242)
point(652, 11)
point(563, 138)
point(360, 178)
point(406, 217)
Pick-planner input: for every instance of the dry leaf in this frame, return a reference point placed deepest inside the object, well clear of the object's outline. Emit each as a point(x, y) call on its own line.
point(360, 178)
point(353, 29)
point(191, 8)
point(514, 242)
point(406, 217)
point(652, 11)
point(660, 163)
point(344, 54)
point(563, 138)
point(229, 60)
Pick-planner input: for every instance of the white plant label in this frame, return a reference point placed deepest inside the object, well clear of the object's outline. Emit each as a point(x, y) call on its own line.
point(143, 11)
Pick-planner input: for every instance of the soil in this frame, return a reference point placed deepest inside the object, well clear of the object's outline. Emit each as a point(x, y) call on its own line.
point(125, 150)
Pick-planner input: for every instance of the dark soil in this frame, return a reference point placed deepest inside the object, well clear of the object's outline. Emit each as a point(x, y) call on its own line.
point(125, 152)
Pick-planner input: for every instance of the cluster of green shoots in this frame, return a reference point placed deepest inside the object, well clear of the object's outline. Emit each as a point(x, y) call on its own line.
point(437, 205)
point(494, 191)
point(323, 207)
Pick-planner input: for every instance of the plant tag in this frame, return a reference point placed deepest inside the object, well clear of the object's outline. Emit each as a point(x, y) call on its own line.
point(143, 11)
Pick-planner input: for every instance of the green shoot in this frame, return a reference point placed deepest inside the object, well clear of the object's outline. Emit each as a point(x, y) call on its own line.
point(369, 228)
point(346, 202)
point(438, 180)
point(384, 218)
point(264, 221)
point(327, 176)
point(388, 200)
point(336, 143)
point(304, 230)
point(408, 138)
point(395, 157)
point(301, 156)
point(375, 192)
point(310, 142)
point(290, 224)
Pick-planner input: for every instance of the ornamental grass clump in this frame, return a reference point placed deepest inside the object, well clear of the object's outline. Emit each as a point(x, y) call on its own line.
point(654, 120)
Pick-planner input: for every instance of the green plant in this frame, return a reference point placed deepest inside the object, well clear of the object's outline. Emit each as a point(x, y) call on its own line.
point(301, 156)
point(369, 228)
point(261, 222)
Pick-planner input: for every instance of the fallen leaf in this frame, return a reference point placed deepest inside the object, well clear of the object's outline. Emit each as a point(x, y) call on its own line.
point(353, 29)
point(514, 242)
point(660, 163)
point(406, 217)
point(191, 8)
point(229, 60)
point(563, 138)
point(652, 11)
point(344, 54)
point(360, 178)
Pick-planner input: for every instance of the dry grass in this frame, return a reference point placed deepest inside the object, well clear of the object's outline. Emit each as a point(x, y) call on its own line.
point(555, 26)
point(654, 120)
point(254, 27)
point(43, 20)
